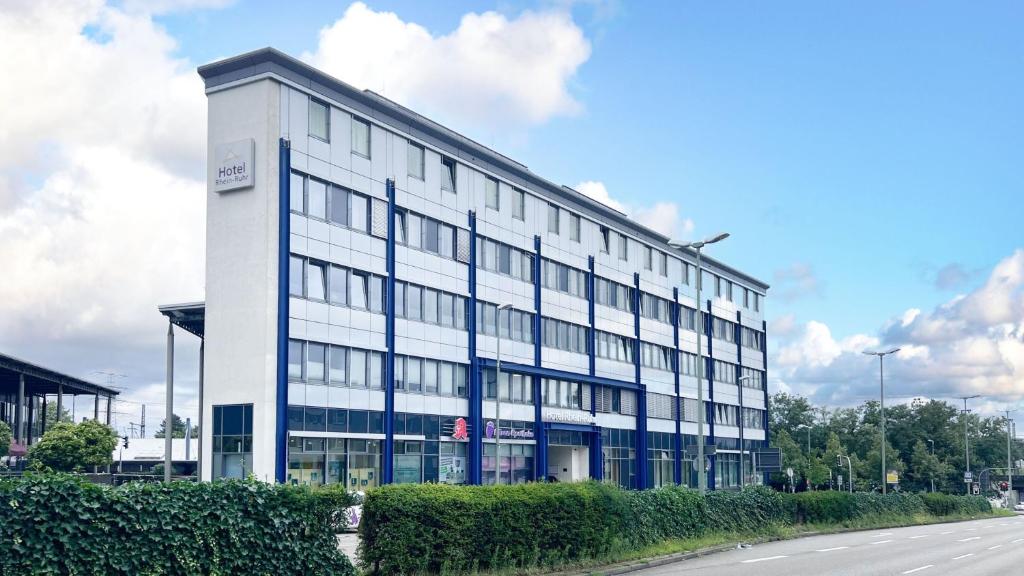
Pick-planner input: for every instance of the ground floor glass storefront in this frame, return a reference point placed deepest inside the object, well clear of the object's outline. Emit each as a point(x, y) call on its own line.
point(353, 462)
point(618, 454)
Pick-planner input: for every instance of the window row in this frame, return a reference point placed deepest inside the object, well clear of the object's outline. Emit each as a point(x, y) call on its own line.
point(436, 377)
point(514, 324)
point(320, 127)
point(563, 278)
point(431, 235)
point(753, 339)
point(615, 400)
point(565, 394)
point(331, 203)
point(724, 372)
point(565, 336)
point(723, 329)
point(314, 419)
point(504, 259)
point(614, 347)
point(661, 406)
point(316, 280)
point(655, 356)
point(756, 380)
point(431, 306)
point(318, 363)
point(613, 294)
point(726, 414)
point(514, 387)
point(753, 418)
point(655, 308)
point(649, 260)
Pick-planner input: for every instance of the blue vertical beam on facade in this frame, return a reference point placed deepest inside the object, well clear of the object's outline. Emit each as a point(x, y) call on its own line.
point(710, 407)
point(677, 441)
point(738, 337)
point(476, 399)
point(283, 251)
point(764, 386)
point(538, 423)
point(389, 335)
point(591, 352)
point(596, 456)
point(641, 393)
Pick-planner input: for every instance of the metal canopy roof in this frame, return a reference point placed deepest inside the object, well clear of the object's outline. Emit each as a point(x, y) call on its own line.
point(190, 317)
point(40, 380)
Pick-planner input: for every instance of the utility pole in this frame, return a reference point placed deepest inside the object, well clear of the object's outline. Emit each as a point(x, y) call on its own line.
point(1009, 458)
point(881, 387)
point(142, 425)
point(932, 442)
point(967, 442)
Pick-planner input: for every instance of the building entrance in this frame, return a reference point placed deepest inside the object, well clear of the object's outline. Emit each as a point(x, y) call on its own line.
point(568, 456)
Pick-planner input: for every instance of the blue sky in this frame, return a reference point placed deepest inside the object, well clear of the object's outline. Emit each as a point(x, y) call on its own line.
point(873, 142)
point(863, 155)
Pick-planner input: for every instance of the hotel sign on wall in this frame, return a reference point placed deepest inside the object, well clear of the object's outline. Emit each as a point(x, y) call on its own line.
point(233, 165)
point(569, 417)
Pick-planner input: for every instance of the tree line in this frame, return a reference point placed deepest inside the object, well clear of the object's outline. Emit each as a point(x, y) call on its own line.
point(925, 444)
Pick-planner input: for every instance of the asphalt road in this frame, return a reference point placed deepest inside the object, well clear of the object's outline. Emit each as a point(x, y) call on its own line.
point(975, 548)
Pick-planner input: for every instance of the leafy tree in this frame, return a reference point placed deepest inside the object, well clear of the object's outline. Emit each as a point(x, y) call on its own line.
point(925, 467)
point(69, 446)
point(51, 414)
point(177, 429)
point(5, 438)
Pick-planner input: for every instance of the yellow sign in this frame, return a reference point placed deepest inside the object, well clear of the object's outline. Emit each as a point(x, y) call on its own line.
point(892, 478)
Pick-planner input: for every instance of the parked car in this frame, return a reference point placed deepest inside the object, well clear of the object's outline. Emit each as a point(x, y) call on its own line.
point(1018, 507)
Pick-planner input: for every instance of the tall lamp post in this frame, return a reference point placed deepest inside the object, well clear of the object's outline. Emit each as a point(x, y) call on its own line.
point(1009, 458)
point(497, 400)
point(881, 386)
point(932, 442)
point(967, 442)
point(702, 478)
point(740, 382)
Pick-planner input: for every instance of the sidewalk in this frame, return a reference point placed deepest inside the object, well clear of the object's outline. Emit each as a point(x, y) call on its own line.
point(348, 543)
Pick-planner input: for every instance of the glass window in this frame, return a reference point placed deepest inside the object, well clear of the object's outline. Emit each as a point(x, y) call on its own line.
point(296, 273)
point(623, 247)
point(376, 294)
point(294, 360)
point(446, 309)
point(430, 306)
point(414, 302)
point(416, 154)
point(358, 290)
point(491, 193)
point(648, 258)
point(339, 206)
point(400, 227)
point(319, 120)
point(360, 214)
point(447, 379)
point(400, 299)
point(399, 372)
point(339, 286)
point(447, 242)
point(315, 362)
point(361, 137)
point(447, 174)
point(297, 193)
point(316, 281)
point(605, 239)
point(376, 370)
point(552, 219)
point(357, 368)
point(574, 227)
point(338, 369)
point(317, 199)
point(663, 263)
point(518, 204)
point(430, 235)
point(461, 373)
point(414, 371)
point(415, 230)
point(430, 376)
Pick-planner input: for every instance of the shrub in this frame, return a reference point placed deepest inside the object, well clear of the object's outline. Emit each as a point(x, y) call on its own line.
point(68, 446)
point(939, 504)
point(60, 524)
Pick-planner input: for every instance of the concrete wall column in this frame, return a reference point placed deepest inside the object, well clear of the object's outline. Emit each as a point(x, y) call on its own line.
point(169, 415)
point(19, 412)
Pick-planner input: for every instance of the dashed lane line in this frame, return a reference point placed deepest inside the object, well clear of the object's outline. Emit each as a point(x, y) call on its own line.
point(833, 549)
point(763, 559)
point(921, 536)
point(969, 539)
point(962, 557)
point(918, 569)
point(996, 546)
point(881, 542)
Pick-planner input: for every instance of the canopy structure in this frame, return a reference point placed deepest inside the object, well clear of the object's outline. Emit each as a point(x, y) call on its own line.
point(190, 317)
point(25, 389)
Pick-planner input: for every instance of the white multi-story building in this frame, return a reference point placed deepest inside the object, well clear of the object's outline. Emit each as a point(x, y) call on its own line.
point(361, 264)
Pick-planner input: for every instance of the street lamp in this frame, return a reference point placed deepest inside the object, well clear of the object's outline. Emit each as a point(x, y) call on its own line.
point(1009, 459)
point(702, 479)
point(881, 385)
point(808, 428)
point(497, 401)
point(967, 442)
point(932, 442)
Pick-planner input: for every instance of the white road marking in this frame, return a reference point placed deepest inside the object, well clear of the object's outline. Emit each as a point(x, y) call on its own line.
point(884, 534)
point(969, 539)
point(881, 542)
point(833, 549)
point(918, 569)
point(971, 530)
point(945, 533)
point(996, 546)
point(1017, 540)
point(921, 536)
point(763, 559)
point(964, 556)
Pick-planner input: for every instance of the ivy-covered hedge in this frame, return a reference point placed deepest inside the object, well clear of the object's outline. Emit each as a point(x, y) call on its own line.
point(60, 524)
point(430, 528)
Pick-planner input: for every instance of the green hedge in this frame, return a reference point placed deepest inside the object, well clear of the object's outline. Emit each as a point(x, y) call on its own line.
point(60, 524)
point(430, 528)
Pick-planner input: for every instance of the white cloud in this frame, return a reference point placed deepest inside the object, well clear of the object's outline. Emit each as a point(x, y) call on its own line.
point(491, 71)
point(662, 217)
point(101, 186)
point(972, 344)
point(795, 282)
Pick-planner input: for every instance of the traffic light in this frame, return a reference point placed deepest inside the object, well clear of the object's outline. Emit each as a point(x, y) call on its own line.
point(125, 439)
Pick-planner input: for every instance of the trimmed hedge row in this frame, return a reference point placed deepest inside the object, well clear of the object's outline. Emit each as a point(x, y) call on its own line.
point(61, 524)
point(431, 528)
